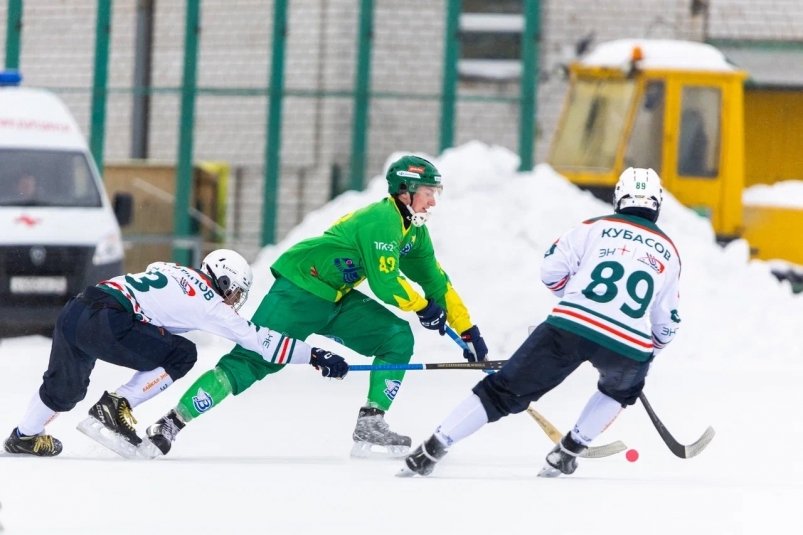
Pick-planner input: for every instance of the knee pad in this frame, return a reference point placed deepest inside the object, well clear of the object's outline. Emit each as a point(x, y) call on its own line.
point(497, 400)
point(182, 358)
point(624, 397)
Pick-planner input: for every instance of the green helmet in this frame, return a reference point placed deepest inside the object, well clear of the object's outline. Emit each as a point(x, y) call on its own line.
point(409, 172)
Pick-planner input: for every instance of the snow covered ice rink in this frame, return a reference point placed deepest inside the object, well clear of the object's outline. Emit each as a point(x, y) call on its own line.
point(276, 459)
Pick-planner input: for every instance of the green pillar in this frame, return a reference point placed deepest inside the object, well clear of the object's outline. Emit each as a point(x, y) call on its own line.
point(13, 34)
point(529, 77)
point(362, 91)
point(182, 223)
point(97, 126)
point(270, 203)
point(451, 55)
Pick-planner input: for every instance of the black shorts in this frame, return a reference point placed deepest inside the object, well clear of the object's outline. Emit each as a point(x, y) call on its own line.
point(92, 326)
point(545, 359)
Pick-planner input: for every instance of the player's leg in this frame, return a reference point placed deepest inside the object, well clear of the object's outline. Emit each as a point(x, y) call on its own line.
point(621, 380)
point(542, 362)
point(109, 332)
point(64, 384)
point(369, 328)
point(287, 309)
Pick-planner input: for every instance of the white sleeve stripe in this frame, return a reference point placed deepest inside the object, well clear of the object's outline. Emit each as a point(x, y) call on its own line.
point(281, 351)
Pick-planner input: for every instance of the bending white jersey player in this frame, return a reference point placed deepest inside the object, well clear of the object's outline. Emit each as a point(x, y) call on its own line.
point(181, 299)
point(135, 321)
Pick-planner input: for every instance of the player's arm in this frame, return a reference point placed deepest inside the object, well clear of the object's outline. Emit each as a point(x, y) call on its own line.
point(664, 315)
point(561, 260)
point(273, 346)
point(421, 266)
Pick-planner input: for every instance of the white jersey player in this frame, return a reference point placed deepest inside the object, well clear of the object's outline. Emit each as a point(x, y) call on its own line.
point(617, 277)
point(134, 321)
point(182, 299)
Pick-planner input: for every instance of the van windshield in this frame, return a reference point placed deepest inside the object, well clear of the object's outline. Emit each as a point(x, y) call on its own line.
point(46, 178)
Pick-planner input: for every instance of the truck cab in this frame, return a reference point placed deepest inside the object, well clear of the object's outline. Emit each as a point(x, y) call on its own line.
point(674, 106)
point(711, 131)
point(60, 232)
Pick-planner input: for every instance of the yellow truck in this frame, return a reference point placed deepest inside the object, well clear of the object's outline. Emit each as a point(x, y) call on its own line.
point(684, 110)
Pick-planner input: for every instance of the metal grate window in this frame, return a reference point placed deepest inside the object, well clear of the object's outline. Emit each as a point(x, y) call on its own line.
point(490, 39)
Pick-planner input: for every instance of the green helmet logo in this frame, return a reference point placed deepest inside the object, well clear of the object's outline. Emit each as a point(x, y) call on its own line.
point(409, 172)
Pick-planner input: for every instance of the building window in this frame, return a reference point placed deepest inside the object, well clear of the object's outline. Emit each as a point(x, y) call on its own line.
point(490, 39)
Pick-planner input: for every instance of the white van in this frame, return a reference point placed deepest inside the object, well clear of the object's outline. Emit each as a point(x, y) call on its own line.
point(59, 232)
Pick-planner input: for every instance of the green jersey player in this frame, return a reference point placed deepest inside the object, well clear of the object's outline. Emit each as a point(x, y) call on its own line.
point(385, 243)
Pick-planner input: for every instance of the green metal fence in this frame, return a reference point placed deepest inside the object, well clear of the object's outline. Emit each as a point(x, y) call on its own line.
point(344, 84)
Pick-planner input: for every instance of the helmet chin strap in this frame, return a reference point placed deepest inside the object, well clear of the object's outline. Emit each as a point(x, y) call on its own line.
point(417, 218)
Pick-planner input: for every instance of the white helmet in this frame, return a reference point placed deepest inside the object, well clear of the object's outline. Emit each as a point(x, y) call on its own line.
point(638, 192)
point(231, 275)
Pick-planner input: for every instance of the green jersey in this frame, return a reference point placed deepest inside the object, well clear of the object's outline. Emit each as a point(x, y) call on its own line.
point(372, 243)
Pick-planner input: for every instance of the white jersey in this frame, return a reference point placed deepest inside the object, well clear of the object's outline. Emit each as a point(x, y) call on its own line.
point(180, 299)
point(618, 278)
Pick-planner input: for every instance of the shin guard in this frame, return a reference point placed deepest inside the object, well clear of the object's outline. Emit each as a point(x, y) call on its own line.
point(206, 392)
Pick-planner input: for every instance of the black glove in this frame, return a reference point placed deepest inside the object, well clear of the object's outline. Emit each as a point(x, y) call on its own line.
point(477, 350)
point(331, 365)
point(433, 317)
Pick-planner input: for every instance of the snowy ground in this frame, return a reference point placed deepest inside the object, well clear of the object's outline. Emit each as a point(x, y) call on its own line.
point(275, 460)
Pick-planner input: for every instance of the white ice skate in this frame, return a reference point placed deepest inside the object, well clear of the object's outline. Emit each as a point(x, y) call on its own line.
point(374, 439)
point(95, 430)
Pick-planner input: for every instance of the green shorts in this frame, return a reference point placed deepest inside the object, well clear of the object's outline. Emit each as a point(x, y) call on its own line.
point(356, 321)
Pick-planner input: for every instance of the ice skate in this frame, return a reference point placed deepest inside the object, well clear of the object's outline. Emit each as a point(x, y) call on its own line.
point(38, 445)
point(373, 437)
point(563, 458)
point(423, 459)
point(161, 435)
point(111, 424)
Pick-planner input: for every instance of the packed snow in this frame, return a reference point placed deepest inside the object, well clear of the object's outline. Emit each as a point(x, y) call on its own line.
point(784, 194)
point(276, 459)
point(658, 54)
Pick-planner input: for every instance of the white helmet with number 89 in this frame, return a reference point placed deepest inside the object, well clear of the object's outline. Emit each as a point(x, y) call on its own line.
point(231, 276)
point(638, 192)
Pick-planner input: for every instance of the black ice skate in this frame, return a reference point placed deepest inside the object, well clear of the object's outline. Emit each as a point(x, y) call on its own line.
point(563, 458)
point(423, 459)
point(39, 445)
point(373, 437)
point(111, 424)
point(162, 434)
